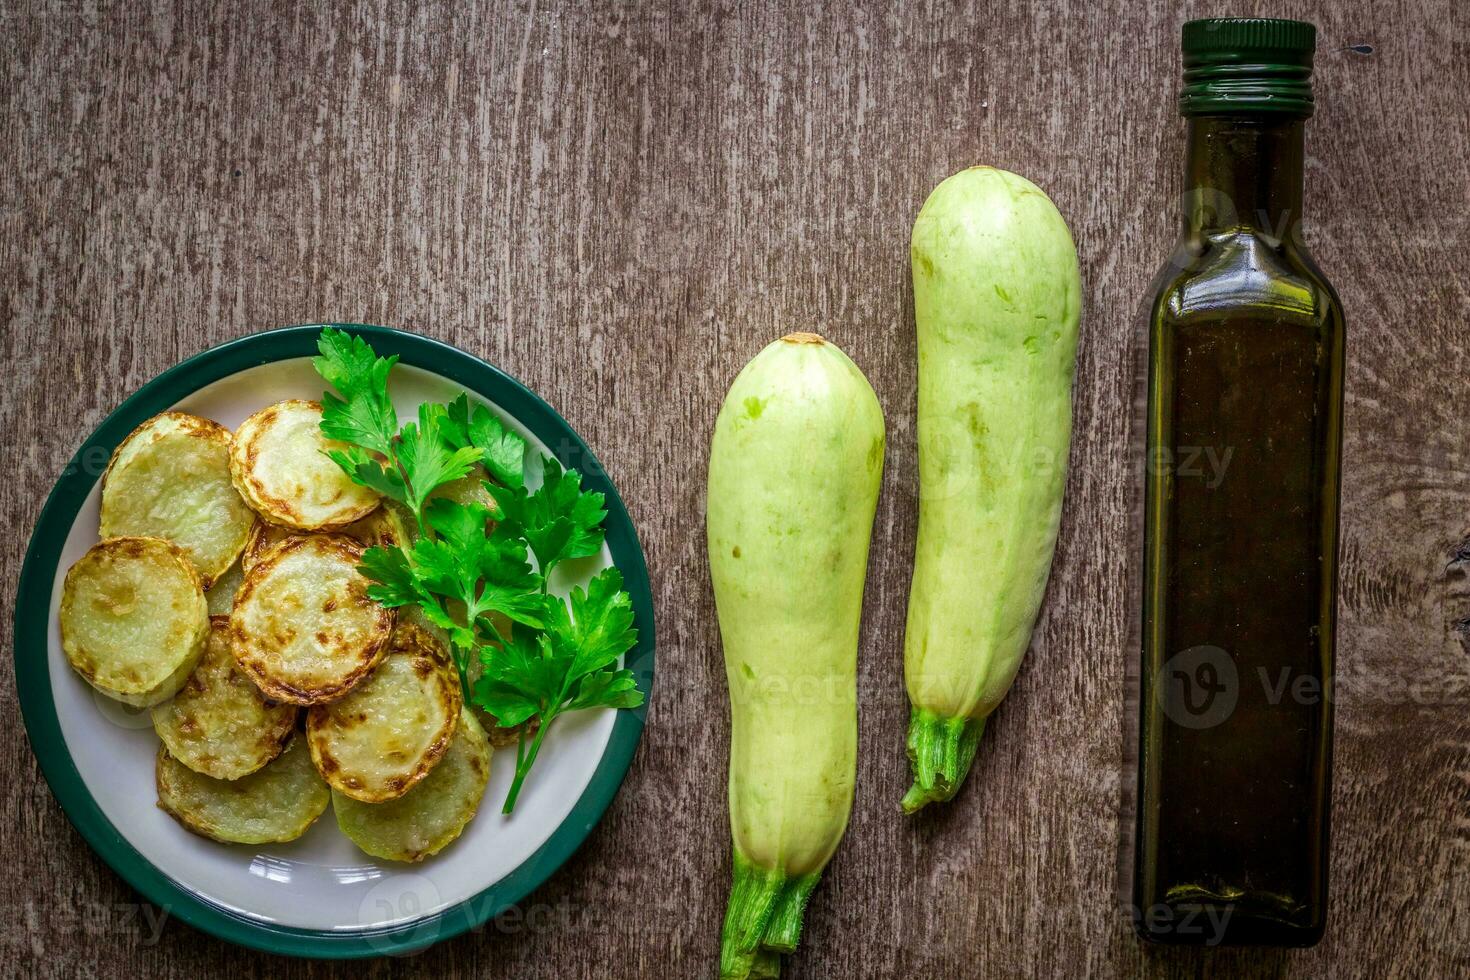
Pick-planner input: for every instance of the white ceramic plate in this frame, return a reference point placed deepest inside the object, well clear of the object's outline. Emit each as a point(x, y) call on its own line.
point(318, 895)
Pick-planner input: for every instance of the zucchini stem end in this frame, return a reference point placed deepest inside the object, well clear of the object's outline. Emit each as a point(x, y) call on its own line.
point(763, 920)
point(941, 751)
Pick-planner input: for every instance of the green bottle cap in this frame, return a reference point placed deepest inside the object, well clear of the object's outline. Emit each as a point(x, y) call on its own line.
point(1247, 65)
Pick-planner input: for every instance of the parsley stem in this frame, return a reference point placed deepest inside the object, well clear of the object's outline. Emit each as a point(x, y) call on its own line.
point(460, 653)
point(462, 667)
point(523, 765)
point(484, 622)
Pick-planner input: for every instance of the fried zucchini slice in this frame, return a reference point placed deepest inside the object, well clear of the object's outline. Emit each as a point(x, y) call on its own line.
point(171, 479)
point(273, 804)
point(134, 619)
point(303, 627)
point(221, 595)
point(390, 526)
point(500, 737)
point(380, 528)
point(263, 537)
point(403, 523)
point(428, 817)
point(468, 490)
point(278, 463)
point(219, 723)
point(389, 731)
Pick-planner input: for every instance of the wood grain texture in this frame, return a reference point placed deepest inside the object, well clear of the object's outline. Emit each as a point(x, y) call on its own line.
point(620, 204)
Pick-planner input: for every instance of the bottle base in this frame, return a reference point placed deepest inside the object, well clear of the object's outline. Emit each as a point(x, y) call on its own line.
point(1221, 925)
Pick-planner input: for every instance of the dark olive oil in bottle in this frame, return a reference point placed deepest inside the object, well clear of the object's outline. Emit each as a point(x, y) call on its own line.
point(1245, 373)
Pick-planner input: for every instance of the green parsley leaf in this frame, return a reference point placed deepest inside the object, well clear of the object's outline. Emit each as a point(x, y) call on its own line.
point(597, 629)
point(487, 571)
point(559, 521)
point(508, 703)
point(523, 672)
point(366, 470)
point(394, 581)
point(520, 601)
point(503, 451)
point(566, 670)
point(364, 415)
point(607, 689)
point(583, 637)
point(427, 459)
point(550, 542)
point(461, 636)
point(463, 526)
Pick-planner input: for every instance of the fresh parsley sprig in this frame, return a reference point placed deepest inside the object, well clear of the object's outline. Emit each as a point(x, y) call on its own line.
point(564, 668)
point(468, 565)
point(559, 521)
point(405, 465)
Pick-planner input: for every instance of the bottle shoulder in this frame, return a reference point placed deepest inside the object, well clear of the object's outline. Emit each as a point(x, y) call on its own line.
point(1226, 271)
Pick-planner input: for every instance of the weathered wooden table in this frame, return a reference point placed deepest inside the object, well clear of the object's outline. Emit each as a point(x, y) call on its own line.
point(619, 204)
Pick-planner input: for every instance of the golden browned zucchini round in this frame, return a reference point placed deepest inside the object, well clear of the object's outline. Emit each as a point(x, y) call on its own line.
point(221, 595)
point(278, 464)
point(468, 490)
point(389, 731)
point(171, 479)
point(263, 537)
point(219, 723)
point(499, 737)
point(384, 527)
point(273, 804)
point(134, 618)
point(428, 817)
point(381, 528)
point(303, 627)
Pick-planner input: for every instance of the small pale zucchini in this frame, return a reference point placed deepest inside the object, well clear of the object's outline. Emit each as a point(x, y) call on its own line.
point(426, 819)
point(271, 805)
point(794, 472)
point(303, 627)
point(996, 301)
point(220, 724)
point(171, 479)
point(134, 618)
point(279, 465)
point(389, 731)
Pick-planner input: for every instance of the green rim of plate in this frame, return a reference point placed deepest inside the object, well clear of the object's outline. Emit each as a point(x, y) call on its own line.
point(32, 627)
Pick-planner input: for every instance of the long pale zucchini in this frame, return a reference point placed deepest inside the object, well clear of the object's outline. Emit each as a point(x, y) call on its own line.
point(996, 301)
point(794, 470)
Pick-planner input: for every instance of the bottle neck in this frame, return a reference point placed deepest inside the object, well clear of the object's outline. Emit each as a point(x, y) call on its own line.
point(1244, 172)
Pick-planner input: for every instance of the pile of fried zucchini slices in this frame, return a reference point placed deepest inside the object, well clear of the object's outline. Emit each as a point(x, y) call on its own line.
point(224, 596)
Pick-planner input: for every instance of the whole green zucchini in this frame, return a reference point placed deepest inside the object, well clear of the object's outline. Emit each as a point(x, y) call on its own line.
point(996, 302)
point(794, 470)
